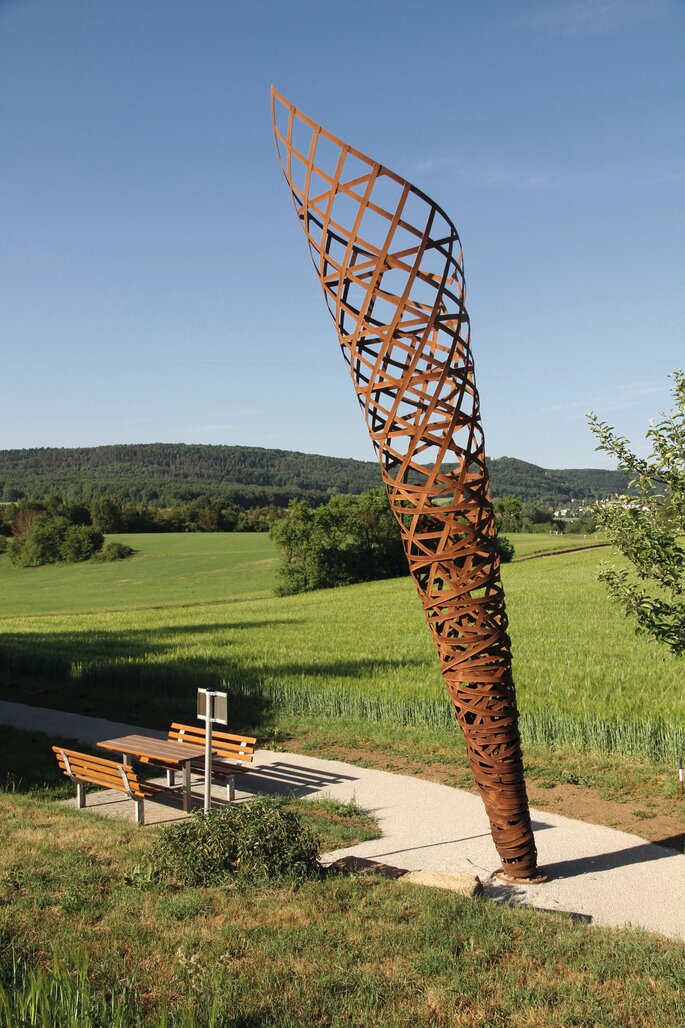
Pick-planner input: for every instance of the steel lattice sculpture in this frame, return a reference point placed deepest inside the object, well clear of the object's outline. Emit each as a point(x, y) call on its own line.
point(390, 265)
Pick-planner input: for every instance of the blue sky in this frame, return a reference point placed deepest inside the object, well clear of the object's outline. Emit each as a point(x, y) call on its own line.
point(154, 285)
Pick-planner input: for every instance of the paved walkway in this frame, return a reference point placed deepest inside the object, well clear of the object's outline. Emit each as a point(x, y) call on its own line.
point(597, 874)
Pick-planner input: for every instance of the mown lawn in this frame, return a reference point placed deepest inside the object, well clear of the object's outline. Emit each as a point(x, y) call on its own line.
point(339, 951)
point(169, 569)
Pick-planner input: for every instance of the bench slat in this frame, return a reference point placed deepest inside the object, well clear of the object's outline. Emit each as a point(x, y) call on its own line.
point(85, 774)
point(87, 758)
point(245, 740)
point(224, 744)
point(97, 771)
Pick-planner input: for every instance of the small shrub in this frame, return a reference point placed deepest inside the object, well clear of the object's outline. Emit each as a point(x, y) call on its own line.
point(506, 549)
point(141, 877)
point(115, 551)
point(349, 810)
point(256, 842)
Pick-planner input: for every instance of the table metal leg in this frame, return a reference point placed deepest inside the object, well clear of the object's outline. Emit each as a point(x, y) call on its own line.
point(186, 786)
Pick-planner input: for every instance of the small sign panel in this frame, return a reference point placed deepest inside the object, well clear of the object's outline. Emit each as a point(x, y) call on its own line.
point(216, 702)
point(221, 708)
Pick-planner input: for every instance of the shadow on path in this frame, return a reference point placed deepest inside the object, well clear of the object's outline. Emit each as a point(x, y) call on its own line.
point(608, 861)
point(281, 778)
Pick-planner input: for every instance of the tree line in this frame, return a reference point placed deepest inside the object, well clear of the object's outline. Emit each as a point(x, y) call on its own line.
point(109, 517)
point(512, 515)
point(348, 539)
point(169, 474)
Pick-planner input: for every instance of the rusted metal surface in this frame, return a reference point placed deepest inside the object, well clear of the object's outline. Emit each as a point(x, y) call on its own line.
point(390, 264)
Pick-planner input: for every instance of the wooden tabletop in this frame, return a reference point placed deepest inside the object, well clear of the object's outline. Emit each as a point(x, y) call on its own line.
point(148, 746)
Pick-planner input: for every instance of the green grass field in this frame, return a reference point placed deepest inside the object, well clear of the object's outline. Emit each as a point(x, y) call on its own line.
point(170, 569)
point(535, 544)
point(89, 936)
point(361, 653)
point(88, 931)
point(174, 569)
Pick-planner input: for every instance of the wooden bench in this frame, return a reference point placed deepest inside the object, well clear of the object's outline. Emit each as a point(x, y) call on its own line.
point(233, 753)
point(82, 769)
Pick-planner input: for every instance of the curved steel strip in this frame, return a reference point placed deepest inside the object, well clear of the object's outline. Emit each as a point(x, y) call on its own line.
point(390, 265)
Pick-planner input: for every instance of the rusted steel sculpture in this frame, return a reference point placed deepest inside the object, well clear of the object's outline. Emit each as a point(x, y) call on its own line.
point(390, 265)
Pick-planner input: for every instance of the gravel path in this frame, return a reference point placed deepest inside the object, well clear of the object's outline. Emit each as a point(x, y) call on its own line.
point(596, 874)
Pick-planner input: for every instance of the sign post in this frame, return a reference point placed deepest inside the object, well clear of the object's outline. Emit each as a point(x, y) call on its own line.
point(211, 707)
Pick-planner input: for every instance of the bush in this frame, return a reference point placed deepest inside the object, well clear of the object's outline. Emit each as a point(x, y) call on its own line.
point(45, 538)
point(256, 842)
point(80, 543)
point(40, 542)
point(506, 549)
point(115, 551)
point(350, 539)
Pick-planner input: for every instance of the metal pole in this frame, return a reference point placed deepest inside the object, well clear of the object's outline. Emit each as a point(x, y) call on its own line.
point(208, 751)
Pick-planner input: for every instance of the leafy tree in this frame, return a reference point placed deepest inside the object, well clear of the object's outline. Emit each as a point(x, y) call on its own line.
point(106, 515)
point(80, 543)
point(48, 538)
point(78, 514)
point(350, 539)
point(647, 526)
point(508, 514)
point(24, 514)
point(40, 542)
point(292, 534)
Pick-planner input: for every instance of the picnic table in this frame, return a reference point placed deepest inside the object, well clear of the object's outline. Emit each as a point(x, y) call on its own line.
point(161, 750)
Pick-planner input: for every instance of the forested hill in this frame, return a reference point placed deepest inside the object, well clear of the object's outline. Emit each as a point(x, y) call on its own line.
point(166, 473)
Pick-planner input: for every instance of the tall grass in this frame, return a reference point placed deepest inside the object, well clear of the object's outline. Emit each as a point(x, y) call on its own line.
point(361, 653)
point(61, 996)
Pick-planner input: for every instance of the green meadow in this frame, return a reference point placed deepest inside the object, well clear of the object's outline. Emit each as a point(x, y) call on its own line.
point(90, 933)
point(98, 939)
point(169, 569)
point(197, 610)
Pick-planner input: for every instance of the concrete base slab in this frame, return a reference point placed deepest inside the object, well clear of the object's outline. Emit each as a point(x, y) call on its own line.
point(464, 884)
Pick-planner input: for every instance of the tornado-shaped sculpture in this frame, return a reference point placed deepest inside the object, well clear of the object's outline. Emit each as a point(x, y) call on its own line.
point(390, 265)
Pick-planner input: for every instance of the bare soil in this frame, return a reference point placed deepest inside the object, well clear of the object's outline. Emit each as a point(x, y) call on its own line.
point(639, 803)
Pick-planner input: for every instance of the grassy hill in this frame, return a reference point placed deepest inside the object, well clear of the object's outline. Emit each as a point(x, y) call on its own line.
point(166, 473)
point(166, 570)
point(196, 610)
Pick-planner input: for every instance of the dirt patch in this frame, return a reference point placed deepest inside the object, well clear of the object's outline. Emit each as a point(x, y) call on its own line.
point(642, 807)
point(583, 804)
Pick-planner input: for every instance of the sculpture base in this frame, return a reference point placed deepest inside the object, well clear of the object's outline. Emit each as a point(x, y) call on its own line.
point(537, 879)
